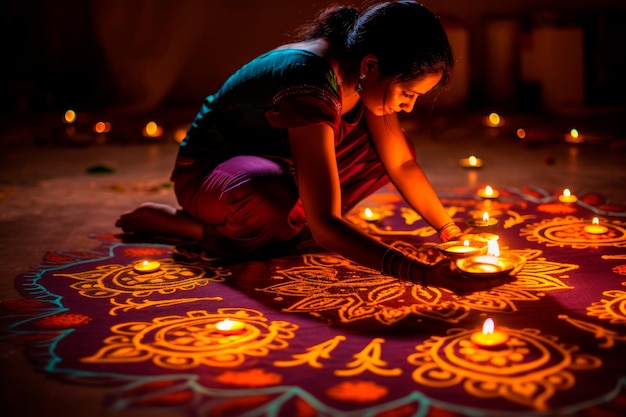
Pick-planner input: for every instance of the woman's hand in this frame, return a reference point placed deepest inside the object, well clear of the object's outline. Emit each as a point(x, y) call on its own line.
point(445, 275)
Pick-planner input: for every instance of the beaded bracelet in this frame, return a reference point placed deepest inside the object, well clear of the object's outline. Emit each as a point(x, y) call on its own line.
point(398, 264)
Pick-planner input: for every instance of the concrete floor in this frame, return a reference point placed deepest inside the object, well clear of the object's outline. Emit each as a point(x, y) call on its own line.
point(49, 201)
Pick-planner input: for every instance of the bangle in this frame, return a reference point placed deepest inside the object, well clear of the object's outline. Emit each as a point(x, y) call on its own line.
point(400, 265)
point(449, 231)
point(445, 225)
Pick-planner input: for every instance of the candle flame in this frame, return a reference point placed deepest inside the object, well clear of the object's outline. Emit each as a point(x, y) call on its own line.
point(145, 263)
point(466, 242)
point(574, 133)
point(567, 192)
point(70, 116)
point(368, 213)
point(152, 130)
point(225, 324)
point(493, 249)
point(472, 160)
point(486, 216)
point(488, 326)
point(521, 133)
point(488, 190)
point(494, 119)
point(595, 221)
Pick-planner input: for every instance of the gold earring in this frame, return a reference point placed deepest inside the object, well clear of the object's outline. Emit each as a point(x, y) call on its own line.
point(358, 87)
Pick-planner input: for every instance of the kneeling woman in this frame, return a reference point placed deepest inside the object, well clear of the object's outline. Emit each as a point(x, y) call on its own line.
point(301, 134)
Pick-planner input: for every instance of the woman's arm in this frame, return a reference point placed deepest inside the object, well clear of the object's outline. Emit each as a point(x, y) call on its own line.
point(313, 152)
point(403, 171)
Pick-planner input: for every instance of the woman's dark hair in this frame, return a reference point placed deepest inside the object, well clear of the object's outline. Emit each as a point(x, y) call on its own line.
point(407, 39)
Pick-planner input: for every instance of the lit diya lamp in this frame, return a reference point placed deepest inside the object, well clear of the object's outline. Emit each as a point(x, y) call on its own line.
point(489, 337)
point(488, 192)
point(228, 327)
point(574, 136)
point(101, 127)
point(567, 197)
point(146, 267)
point(494, 120)
point(484, 225)
point(152, 130)
point(370, 216)
point(491, 265)
point(595, 228)
point(456, 249)
point(471, 162)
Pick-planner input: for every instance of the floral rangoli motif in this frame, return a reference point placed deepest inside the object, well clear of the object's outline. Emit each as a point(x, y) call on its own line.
point(528, 370)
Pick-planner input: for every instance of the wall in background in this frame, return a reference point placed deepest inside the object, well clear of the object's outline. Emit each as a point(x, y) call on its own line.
point(141, 54)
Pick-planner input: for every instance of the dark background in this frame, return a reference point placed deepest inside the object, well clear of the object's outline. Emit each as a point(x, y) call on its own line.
point(140, 55)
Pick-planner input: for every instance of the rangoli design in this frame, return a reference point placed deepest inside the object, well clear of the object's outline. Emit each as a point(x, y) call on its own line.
point(320, 335)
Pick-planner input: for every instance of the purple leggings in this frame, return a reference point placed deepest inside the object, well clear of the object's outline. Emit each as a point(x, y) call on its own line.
point(249, 202)
point(244, 203)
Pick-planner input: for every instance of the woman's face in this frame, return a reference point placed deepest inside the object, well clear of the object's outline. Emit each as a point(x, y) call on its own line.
point(386, 96)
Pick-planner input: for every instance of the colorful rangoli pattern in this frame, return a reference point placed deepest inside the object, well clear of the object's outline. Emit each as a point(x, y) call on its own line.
point(323, 336)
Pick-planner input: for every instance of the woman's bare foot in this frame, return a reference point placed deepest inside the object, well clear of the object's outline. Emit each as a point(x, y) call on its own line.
point(160, 219)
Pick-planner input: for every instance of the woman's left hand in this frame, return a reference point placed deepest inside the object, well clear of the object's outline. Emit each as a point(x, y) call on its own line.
point(444, 274)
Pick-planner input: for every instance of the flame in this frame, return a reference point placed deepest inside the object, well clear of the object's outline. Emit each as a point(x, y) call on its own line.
point(595, 221)
point(574, 133)
point(488, 326)
point(466, 243)
point(368, 213)
point(152, 130)
point(145, 263)
point(567, 192)
point(102, 127)
point(521, 133)
point(225, 324)
point(488, 190)
point(494, 119)
point(473, 160)
point(69, 116)
point(492, 248)
point(486, 216)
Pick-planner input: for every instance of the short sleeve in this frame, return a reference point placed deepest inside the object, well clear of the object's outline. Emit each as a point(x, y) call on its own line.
point(304, 105)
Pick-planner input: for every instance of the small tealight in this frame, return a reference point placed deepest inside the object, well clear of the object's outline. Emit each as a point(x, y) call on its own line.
point(487, 225)
point(567, 197)
point(370, 216)
point(228, 327)
point(595, 228)
point(574, 136)
point(147, 267)
point(488, 192)
point(489, 337)
point(471, 162)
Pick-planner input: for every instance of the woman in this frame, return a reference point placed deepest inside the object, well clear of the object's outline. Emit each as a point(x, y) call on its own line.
point(302, 133)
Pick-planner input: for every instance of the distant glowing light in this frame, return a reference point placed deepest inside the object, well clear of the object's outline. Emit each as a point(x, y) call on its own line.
point(70, 116)
point(180, 134)
point(574, 133)
point(102, 127)
point(494, 119)
point(521, 133)
point(152, 130)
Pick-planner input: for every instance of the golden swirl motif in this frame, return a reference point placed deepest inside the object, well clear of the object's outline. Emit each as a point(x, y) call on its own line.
point(570, 231)
point(107, 281)
point(190, 341)
point(528, 370)
point(328, 282)
point(613, 308)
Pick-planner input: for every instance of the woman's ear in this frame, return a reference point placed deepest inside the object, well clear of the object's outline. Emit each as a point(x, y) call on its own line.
point(369, 64)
